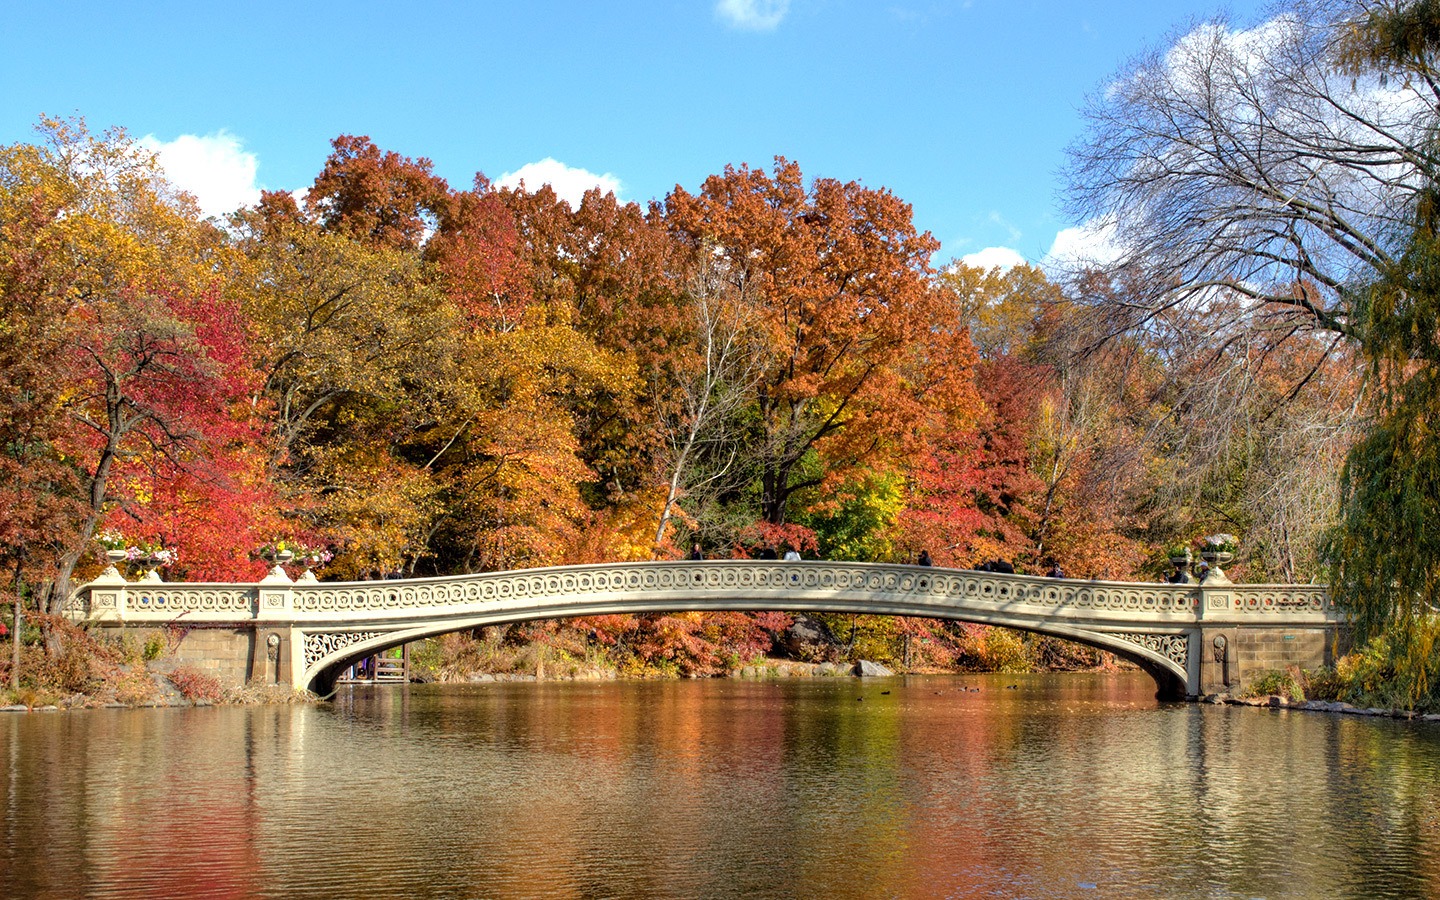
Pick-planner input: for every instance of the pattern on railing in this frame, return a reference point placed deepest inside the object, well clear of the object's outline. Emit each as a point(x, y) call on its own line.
point(729, 577)
point(183, 598)
point(319, 646)
point(1020, 594)
point(1296, 598)
point(1174, 647)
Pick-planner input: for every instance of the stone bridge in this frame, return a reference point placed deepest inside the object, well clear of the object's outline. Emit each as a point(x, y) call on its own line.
point(1193, 639)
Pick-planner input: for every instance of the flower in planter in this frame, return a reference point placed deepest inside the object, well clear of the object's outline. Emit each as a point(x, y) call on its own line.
point(313, 557)
point(1221, 543)
point(150, 554)
point(110, 539)
point(274, 549)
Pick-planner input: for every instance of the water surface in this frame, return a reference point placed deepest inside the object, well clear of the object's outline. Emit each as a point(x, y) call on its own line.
point(981, 786)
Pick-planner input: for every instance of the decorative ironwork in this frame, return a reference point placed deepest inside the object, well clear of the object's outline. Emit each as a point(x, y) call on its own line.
point(318, 646)
point(730, 577)
point(1174, 647)
point(908, 589)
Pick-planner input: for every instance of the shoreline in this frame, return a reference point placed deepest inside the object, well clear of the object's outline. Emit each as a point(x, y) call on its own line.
point(771, 670)
point(1334, 707)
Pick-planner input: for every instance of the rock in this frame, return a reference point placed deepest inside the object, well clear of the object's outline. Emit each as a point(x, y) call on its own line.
point(807, 638)
point(15, 707)
point(867, 669)
point(1433, 717)
point(480, 678)
point(49, 707)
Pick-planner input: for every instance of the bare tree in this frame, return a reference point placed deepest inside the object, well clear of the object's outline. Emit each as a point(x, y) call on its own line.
point(728, 363)
point(1256, 161)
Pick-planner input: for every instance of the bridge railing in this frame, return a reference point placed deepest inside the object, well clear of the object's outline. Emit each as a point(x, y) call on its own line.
point(278, 599)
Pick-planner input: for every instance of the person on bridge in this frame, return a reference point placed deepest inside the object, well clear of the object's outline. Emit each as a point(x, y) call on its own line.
point(924, 559)
point(696, 552)
point(792, 555)
point(768, 552)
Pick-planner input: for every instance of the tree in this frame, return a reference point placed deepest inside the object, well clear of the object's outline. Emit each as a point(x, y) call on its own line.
point(1386, 555)
point(151, 363)
point(838, 282)
point(1257, 162)
point(378, 198)
point(710, 381)
point(1287, 176)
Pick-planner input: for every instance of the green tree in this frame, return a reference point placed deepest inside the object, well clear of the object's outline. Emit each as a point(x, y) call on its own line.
point(1386, 548)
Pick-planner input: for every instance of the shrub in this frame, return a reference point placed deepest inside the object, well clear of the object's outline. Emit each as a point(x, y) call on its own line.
point(195, 685)
point(1276, 682)
point(1323, 684)
point(155, 646)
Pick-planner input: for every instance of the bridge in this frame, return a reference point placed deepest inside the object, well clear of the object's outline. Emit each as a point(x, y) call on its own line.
point(1193, 639)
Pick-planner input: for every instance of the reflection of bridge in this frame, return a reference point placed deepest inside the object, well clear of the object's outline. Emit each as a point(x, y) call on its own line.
point(1192, 638)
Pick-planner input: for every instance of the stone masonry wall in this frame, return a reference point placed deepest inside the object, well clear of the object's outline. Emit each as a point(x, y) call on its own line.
point(222, 652)
point(1261, 650)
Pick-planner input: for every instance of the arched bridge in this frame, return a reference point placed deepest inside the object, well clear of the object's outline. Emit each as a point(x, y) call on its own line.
point(1192, 638)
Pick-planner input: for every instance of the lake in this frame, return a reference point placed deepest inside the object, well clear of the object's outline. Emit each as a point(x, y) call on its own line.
point(1042, 786)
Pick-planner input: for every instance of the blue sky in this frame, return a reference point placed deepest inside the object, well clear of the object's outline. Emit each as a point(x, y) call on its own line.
point(961, 108)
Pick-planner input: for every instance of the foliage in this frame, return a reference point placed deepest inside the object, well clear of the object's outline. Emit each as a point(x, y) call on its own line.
point(426, 381)
point(1385, 557)
point(1380, 674)
point(195, 685)
point(1282, 682)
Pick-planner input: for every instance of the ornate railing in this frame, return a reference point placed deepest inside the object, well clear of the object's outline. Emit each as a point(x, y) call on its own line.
point(768, 583)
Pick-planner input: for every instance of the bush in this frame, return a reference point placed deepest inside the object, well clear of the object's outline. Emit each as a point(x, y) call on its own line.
point(1323, 684)
point(1003, 650)
point(1377, 676)
point(195, 685)
point(1276, 682)
point(155, 646)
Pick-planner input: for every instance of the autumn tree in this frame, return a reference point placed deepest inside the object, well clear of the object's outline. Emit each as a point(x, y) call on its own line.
point(1385, 556)
point(710, 380)
point(153, 368)
point(376, 197)
point(837, 279)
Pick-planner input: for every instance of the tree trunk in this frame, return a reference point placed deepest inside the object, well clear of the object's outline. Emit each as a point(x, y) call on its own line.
point(15, 636)
point(60, 588)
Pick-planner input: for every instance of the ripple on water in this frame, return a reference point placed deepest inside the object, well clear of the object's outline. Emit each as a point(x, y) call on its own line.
point(1063, 787)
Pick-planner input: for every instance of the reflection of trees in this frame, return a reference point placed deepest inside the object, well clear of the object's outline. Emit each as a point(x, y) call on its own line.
point(137, 803)
point(722, 788)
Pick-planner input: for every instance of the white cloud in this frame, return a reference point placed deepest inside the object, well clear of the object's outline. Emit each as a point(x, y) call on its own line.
point(1001, 258)
point(569, 184)
point(1088, 245)
point(752, 15)
point(214, 168)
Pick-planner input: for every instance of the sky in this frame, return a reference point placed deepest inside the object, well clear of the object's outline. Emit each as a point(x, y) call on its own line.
point(962, 108)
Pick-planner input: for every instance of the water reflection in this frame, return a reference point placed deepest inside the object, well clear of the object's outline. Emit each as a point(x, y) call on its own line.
point(1036, 786)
